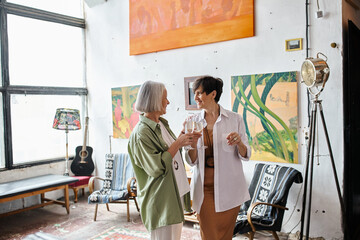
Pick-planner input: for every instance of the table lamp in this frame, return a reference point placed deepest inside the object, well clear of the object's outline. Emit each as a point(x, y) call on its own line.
point(69, 120)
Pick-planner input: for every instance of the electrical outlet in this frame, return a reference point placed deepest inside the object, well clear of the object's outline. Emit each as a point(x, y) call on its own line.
point(306, 135)
point(319, 14)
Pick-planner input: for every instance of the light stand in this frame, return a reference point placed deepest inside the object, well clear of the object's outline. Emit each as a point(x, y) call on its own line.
point(315, 73)
point(316, 103)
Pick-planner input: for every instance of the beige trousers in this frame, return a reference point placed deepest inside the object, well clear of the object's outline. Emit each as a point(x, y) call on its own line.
point(170, 232)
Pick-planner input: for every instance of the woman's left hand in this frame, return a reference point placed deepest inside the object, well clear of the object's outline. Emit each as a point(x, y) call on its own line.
point(233, 139)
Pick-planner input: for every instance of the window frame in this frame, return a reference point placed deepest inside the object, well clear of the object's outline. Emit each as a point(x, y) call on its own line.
point(7, 90)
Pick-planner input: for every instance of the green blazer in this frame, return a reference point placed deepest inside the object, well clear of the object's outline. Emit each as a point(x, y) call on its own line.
point(158, 195)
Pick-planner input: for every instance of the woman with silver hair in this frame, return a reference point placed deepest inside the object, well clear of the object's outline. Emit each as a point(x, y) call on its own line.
point(159, 169)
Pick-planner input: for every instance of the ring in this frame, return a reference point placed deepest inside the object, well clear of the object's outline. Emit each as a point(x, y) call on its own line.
point(235, 138)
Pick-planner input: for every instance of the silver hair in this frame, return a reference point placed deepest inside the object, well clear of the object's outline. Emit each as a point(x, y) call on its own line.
point(149, 98)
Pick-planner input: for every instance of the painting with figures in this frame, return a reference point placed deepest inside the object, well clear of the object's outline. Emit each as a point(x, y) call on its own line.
point(124, 115)
point(157, 25)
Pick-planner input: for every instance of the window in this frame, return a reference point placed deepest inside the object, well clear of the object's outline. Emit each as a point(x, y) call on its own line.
point(42, 46)
point(72, 8)
point(48, 54)
point(33, 137)
point(2, 147)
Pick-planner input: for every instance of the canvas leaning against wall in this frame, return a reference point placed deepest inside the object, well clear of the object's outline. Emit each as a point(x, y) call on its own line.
point(124, 115)
point(157, 25)
point(268, 104)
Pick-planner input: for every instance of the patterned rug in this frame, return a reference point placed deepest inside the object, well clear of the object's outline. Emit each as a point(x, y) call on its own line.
point(138, 231)
point(117, 233)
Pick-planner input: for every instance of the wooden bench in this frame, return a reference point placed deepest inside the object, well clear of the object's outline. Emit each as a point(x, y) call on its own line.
point(13, 190)
point(81, 184)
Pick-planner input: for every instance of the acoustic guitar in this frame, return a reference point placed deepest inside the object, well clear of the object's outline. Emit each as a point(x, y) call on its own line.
point(83, 165)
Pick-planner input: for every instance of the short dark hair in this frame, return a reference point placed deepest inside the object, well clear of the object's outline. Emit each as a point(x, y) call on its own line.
point(209, 84)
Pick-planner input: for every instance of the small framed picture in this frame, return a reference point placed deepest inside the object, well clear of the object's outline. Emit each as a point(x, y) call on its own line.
point(190, 103)
point(293, 44)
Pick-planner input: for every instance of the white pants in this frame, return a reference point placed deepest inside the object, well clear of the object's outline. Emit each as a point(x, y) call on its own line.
point(170, 232)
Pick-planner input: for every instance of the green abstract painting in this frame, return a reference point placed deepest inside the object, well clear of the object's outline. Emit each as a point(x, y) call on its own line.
point(268, 104)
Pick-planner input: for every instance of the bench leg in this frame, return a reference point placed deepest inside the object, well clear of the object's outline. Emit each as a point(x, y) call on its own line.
point(66, 193)
point(75, 194)
point(42, 198)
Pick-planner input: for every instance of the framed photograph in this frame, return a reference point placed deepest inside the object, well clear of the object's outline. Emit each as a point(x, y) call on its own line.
point(293, 44)
point(354, 3)
point(190, 103)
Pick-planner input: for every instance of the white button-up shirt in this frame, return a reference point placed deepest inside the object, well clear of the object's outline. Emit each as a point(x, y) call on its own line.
point(230, 188)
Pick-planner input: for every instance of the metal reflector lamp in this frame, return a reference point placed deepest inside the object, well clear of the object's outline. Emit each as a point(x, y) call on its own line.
point(315, 72)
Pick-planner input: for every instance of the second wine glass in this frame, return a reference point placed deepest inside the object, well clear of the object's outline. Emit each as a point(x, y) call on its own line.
point(198, 128)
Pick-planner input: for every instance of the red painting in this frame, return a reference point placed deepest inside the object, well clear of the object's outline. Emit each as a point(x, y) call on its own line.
point(157, 25)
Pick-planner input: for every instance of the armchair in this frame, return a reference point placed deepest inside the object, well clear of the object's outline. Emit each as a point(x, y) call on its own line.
point(119, 184)
point(269, 189)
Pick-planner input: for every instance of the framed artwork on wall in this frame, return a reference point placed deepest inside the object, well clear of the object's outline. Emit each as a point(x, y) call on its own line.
point(124, 115)
point(190, 103)
point(269, 106)
point(158, 25)
point(293, 44)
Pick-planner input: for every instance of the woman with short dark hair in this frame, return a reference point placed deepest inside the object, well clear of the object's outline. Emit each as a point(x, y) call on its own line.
point(218, 185)
point(158, 165)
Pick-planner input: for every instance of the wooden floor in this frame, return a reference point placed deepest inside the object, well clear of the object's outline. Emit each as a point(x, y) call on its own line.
point(79, 224)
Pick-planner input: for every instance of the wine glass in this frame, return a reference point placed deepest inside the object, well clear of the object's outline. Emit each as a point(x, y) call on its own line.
point(198, 128)
point(189, 128)
point(189, 125)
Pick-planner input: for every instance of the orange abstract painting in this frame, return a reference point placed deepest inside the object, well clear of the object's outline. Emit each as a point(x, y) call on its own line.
point(157, 25)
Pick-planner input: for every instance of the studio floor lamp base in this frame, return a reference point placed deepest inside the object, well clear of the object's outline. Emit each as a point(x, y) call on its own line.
point(66, 173)
point(310, 157)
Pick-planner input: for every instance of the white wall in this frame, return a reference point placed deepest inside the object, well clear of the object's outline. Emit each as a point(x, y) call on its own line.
point(109, 65)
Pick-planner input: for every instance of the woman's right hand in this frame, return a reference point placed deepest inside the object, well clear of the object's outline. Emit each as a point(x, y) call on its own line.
point(188, 139)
